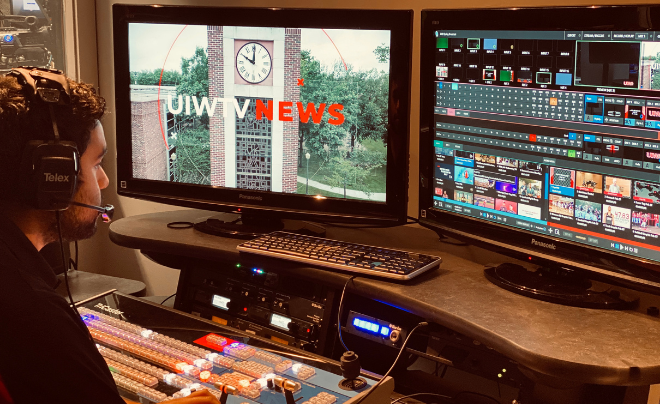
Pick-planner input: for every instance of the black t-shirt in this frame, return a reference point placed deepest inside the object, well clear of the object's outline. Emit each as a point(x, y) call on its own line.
point(46, 355)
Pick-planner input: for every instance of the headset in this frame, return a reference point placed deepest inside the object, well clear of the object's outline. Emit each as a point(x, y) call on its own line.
point(49, 169)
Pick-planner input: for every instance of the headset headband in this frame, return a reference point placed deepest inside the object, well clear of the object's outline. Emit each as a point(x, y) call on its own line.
point(47, 85)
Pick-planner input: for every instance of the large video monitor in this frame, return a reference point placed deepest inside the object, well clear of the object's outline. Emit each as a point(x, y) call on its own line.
point(541, 135)
point(274, 113)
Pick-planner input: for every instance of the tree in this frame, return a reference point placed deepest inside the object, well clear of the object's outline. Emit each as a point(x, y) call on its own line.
point(382, 52)
point(152, 78)
point(310, 70)
point(193, 139)
point(354, 171)
point(195, 79)
point(193, 163)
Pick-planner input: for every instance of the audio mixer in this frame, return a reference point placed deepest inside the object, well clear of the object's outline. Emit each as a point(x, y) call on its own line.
point(156, 354)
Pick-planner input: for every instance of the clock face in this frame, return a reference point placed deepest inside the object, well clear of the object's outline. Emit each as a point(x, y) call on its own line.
point(253, 62)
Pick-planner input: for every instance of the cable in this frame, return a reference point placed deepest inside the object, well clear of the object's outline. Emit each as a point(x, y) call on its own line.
point(74, 263)
point(403, 348)
point(341, 302)
point(423, 394)
point(66, 277)
point(66, 268)
point(412, 219)
point(168, 298)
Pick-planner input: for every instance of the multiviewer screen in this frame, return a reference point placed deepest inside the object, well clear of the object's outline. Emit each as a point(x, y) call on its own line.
point(290, 110)
point(552, 132)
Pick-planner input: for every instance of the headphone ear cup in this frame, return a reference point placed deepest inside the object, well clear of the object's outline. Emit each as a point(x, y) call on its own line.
point(49, 173)
point(27, 177)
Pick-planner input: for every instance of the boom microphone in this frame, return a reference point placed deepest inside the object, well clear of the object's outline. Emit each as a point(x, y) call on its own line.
point(107, 211)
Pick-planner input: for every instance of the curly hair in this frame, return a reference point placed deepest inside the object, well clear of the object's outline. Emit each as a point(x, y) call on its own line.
point(22, 120)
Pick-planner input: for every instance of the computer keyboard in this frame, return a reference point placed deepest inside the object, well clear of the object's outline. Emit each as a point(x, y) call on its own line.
point(352, 257)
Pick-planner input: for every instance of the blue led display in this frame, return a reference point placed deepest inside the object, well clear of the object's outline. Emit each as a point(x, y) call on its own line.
point(371, 327)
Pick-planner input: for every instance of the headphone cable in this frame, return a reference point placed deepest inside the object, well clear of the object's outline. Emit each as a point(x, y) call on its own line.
point(66, 278)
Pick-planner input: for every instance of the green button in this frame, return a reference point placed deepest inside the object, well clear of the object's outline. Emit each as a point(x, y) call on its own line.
point(442, 43)
point(571, 153)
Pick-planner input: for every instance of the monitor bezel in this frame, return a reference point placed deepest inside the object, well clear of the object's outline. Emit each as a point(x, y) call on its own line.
point(601, 264)
point(281, 205)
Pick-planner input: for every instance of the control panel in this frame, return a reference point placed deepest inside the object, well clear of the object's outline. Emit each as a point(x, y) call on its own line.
point(375, 330)
point(260, 301)
point(153, 367)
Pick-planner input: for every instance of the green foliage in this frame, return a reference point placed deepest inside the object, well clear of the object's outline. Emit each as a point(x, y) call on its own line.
point(655, 81)
point(193, 151)
point(372, 155)
point(193, 154)
point(195, 79)
point(364, 96)
point(353, 172)
point(382, 52)
point(152, 78)
point(352, 153)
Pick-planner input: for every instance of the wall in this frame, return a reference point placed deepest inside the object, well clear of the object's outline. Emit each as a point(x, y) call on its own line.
point(99, 254)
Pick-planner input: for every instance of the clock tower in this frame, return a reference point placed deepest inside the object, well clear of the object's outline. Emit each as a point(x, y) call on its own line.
point(249, 64)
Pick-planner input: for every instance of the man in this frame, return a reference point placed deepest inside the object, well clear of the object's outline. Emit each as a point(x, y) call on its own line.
point(46, 355)
point(613, 188)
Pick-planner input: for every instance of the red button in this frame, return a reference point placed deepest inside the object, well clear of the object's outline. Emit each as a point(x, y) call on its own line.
point(532, 138)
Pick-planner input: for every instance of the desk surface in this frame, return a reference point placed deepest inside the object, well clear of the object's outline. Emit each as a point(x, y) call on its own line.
point(580, 345)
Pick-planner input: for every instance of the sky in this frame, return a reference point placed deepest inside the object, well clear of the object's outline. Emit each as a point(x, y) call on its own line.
point(355, 46)
point(149, 44)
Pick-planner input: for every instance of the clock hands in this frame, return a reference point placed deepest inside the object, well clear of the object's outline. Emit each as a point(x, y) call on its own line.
point(246, 58)
point(252, 73)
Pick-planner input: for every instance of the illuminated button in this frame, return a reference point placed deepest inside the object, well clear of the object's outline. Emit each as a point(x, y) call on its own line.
point(235, 379)
point(203, 364)
point(204, 376)
point(216, 339)
point(239, 350)
point(190, 370)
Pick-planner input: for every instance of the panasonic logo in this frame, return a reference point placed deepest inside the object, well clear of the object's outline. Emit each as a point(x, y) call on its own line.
point(56, 177)
point(544, 245)
point(255, 198)
point(109, 309)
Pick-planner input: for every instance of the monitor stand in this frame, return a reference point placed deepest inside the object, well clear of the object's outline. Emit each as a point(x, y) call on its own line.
point(248, 226)
point(556, 285)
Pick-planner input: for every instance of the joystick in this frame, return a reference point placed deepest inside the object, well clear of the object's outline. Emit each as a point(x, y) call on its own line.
point(288, 386)
point(226, 390)
point(350, 369)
